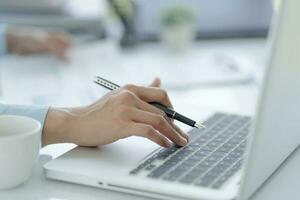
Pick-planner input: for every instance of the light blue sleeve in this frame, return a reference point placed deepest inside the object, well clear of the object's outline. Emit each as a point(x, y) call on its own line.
point(2, 40)
point(37, 112)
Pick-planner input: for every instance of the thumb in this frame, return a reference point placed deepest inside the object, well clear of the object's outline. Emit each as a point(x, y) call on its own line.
point(156, 82)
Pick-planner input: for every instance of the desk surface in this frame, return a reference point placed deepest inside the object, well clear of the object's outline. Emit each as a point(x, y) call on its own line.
point(232, 98)
point(284, 184)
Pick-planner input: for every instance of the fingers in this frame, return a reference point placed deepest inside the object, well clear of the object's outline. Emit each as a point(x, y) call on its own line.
point(126, 97)
point(156, 83)
point(142, 105)
point(186, 136)
point(159, 123)
point(149, 108)
point(150, 133)
point(59, 39)
point(133, 109)
point(150, 94)
point(58, 44)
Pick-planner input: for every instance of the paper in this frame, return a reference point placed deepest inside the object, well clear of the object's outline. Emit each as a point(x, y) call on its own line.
point(141, 65)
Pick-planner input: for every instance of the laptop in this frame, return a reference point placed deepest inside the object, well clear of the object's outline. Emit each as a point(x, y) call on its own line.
point(230, 159)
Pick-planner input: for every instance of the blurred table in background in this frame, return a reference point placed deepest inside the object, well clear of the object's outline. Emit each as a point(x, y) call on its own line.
point(74, 16)
point(45, 80)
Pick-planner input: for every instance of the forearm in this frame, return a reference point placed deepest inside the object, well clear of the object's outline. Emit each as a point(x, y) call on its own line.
point(33, 41)
point(11, 40)
point(21, 41)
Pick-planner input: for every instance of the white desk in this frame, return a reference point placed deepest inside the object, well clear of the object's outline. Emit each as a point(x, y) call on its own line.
point(235, 98)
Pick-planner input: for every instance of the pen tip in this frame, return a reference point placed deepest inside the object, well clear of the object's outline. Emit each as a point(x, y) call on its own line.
point(198, 125)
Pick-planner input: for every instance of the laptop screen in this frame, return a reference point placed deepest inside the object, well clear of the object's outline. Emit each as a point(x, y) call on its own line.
point(276, 133)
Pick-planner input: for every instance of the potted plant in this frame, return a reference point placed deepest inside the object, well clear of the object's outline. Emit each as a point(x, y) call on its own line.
point(177, 27)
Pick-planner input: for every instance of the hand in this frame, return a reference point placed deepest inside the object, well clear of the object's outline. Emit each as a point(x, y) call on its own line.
point(24, 42)
point(119, 114)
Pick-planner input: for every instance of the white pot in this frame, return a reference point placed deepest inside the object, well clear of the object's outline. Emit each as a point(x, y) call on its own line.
point(178, 38)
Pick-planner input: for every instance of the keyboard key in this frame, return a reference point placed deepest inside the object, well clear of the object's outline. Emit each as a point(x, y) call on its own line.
point(174, 174)
point(230, 145)
point(236, 139)
point(230, 159)
point(195, 173)
point(219, 169)
point(191, 148)
point(227, 175)
point(190, 178)
point(214, 158)
point(150, 167)
point(171, 162)
point(207, 179)
point(159, 171)
point(178, 157)
point(202, 140)
point(218, 154)
point(190, 162)
point(197, 157)
point(225, 148)
point(209, 148)
point(141, 166)
point(199, 169)
point(202, 152)
point(219, 183)
point(224, 164)
point(163, 154)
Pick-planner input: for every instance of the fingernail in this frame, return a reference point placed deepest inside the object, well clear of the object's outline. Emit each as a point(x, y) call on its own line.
point(168, 144)
point(183, 134)
point(184, 141)
point(186, 136)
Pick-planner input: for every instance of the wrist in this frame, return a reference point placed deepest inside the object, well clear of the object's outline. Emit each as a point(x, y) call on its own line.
point(57, 127)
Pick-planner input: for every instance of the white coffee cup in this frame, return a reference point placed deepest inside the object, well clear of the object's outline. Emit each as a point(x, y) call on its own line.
point(19, 148)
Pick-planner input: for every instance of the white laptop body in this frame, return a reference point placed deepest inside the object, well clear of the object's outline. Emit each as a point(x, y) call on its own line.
point(274, 136)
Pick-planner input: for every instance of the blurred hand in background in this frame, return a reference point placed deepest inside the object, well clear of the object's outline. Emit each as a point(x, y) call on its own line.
point(33, 41)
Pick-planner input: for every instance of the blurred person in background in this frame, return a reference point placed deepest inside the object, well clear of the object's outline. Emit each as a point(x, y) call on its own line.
point(24, 41)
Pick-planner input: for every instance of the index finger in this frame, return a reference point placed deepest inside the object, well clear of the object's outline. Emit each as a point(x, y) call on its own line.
point(150, 94)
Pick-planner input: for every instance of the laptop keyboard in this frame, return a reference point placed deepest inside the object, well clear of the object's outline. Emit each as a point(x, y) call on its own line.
point(212, 156)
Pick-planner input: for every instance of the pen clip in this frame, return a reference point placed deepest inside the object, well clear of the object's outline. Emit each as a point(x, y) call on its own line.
point(105, 83)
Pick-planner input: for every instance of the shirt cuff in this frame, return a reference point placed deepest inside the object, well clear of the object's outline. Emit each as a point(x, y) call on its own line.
point(36, 112)
point(2, 39)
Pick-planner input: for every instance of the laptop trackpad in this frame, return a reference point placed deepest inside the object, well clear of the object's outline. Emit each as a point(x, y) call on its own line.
point(131, 149)
point(126, 153)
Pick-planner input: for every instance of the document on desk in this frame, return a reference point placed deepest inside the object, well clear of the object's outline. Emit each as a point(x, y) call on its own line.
point(185, 72)
point(43, 80)
point(198, 67)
